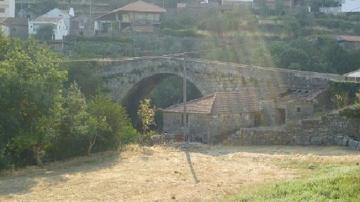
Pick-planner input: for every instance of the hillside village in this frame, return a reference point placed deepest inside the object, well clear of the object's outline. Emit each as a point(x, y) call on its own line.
point(184, 100)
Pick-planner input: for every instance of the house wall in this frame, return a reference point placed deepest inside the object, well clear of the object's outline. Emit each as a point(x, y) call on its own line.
point(7, 8)
point(199, 125)
point(140, 18)
point(206, 127)
point(18, 31)
point(59, 29)
point(298, 110)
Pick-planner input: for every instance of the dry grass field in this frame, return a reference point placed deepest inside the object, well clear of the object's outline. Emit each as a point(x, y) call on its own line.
point(165, 173)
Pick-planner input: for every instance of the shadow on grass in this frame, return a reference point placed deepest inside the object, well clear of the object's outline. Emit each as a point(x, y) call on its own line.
point(21, 182)
point(192, 170)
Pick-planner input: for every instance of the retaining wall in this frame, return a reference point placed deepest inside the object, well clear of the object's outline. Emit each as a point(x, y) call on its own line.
point(331, 129)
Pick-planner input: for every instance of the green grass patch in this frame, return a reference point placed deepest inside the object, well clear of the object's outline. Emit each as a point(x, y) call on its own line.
point(330, 184)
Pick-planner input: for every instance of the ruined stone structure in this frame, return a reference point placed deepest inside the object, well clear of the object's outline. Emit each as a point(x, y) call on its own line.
point(330, 129)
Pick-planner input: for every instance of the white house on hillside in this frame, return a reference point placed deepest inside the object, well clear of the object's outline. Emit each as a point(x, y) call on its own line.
point(346, 6)
point(58, 19)
point(7, 8)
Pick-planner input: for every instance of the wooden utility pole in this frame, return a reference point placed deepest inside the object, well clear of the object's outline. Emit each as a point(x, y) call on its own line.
point(185, 120)
point(91, 1)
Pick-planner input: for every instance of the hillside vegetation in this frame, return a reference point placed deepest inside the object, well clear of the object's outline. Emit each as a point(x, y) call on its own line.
point(294, 39)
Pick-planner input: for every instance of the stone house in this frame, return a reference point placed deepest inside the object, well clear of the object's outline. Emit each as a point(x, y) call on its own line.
point(213, 117)
point(138, 16)
point(297, 104)
point(14, 27)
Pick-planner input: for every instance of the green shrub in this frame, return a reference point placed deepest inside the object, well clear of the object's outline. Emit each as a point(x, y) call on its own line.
point(353, 111)
point(180, 32)
point(121, 131)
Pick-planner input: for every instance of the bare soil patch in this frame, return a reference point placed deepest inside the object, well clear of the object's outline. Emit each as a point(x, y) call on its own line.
point(163, 173)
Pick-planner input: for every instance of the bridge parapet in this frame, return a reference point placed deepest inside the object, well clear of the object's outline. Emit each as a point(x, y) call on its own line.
point(127, 75)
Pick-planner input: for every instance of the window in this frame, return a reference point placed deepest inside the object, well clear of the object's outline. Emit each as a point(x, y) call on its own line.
point(2, 10)
point(298, 109)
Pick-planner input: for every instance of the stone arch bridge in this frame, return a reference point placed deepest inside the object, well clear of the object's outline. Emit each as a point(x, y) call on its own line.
point(136, 77)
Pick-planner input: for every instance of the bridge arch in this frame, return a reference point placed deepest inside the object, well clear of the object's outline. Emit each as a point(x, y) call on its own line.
point(147, 85)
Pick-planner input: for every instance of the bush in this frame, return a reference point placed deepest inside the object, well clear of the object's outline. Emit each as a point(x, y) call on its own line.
point(121, 131)
point(353, 111)
point(39, 122)
point(180, 32)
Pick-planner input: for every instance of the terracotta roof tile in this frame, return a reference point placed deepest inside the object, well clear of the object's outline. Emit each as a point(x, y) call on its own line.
point(246, 100)
point(348, 38)
point(198, 106)
point(138, 6)
point(301, 94)
point(141, 6)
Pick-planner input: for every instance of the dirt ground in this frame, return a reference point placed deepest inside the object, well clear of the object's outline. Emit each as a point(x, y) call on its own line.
point(163, 173)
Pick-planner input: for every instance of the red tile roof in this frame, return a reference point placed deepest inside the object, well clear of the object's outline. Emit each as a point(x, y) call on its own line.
point(202, 105)
point(221, 103)
point(141, 6)
point(348, 38)
point(138, 6)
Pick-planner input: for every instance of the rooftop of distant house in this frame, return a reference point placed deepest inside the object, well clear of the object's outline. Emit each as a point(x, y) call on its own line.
point(13, 21)
point(348, 38)
point(138, 6)
point(353, 74)
point(50, 17)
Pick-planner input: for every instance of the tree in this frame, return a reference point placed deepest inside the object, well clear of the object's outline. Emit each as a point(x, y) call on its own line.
point(146, 115)
point(353, 111)
point(119, 131)
point(31, 81)
point(77, 125)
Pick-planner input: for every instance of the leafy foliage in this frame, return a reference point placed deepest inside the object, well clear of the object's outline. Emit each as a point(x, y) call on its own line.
point(40, 117)
point(146, 115)
point(353, 111)
point(31, 84)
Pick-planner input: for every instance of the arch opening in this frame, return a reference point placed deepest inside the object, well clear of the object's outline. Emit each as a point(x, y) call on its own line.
point(163, 89)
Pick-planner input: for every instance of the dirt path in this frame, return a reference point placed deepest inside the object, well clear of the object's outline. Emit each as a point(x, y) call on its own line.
point(161, 173)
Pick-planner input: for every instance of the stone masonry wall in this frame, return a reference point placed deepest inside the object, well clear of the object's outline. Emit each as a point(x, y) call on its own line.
point(331, 129)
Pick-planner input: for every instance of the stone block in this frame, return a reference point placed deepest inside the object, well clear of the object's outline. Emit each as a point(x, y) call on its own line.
point(353, 144)
point(316, 140)
point(339, 140)
point(345, 141)
point(302, 140)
